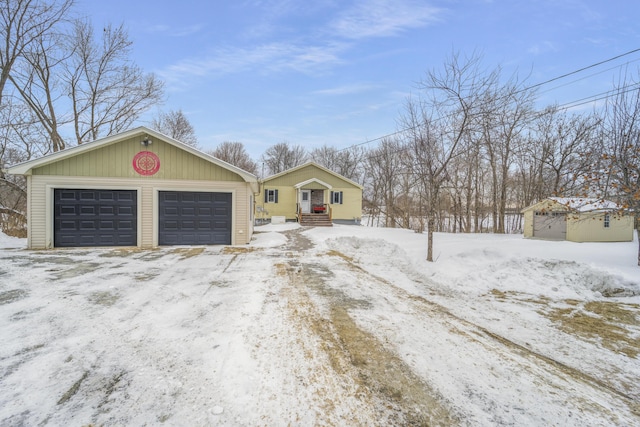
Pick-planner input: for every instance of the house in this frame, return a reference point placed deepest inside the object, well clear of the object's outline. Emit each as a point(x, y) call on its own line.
point(312, 195)
point(578, 220)
point(138, 188)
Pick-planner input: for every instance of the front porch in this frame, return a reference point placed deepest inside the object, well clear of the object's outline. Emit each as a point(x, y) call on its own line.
point(313, 208)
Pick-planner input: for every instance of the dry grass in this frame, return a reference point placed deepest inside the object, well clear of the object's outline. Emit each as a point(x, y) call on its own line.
point(340, 255)
point(232, 250)
point(604, 322)
point(187, 252)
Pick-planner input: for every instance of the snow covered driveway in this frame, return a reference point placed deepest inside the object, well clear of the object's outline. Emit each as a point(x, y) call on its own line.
point(341, 326)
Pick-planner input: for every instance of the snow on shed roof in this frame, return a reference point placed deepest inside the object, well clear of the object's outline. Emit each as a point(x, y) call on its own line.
point(583, 204)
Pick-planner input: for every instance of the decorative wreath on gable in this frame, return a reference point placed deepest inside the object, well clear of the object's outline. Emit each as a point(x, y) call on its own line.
point(146, 163)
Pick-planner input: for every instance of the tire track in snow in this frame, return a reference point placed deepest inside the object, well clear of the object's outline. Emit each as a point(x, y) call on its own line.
point(488, 338)
point(385, 381)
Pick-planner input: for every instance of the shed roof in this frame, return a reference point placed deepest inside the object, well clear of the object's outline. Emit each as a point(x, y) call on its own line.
point(587, 204)
point(577, 204)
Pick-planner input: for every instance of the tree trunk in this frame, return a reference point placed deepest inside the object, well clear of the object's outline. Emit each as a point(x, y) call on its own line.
point(638, 233)
point(430, 225)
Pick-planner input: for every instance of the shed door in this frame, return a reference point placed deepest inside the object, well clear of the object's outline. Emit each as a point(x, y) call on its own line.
point(194, 218)
point(550, 225)
point(94, 218)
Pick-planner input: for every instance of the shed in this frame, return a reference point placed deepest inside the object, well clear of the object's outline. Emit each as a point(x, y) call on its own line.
point(578, 220)
point(137, 188)
point(311, 189)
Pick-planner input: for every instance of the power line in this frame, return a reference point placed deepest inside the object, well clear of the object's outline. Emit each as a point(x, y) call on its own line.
point(585, 68)
point(522, 90)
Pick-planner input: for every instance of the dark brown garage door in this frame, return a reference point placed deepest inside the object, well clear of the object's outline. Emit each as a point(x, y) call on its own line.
point(194, 218)
point(95, 218)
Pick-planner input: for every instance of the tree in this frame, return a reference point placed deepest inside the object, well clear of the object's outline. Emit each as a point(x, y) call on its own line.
point(234, 153)
point(176, 125)
point(563, 139)
point(38, 81)
point(383, 167)
point(617, 174)
point(346, 162)
point(505, 111)
point(282, 156)
point(437, 123)
point(108, 92)
point(23, 22)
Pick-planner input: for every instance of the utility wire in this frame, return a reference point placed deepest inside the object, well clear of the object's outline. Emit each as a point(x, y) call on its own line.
point(564, 106)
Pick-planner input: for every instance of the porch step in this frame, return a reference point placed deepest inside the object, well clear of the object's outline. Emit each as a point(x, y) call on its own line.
point(315, 220)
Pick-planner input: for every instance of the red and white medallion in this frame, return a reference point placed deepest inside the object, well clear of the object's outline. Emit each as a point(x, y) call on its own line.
point(146, 163)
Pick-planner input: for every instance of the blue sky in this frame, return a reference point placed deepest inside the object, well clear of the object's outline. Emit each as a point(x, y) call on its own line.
point(337, 72)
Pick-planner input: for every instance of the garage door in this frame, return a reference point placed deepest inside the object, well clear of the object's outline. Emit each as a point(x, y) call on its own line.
point(194, 218)
point(550, 225)
point(95, 218)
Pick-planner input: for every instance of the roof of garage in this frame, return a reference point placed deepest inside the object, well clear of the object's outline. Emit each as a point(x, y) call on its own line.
point(574, 204)
point(27, 168)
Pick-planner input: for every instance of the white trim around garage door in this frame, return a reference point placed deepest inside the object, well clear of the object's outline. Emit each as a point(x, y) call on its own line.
point(156, 207)
point(49, 201)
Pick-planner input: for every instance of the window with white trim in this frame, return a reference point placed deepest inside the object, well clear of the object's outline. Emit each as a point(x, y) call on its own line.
point(336, 197)
point(607, 220)
point(270, 196)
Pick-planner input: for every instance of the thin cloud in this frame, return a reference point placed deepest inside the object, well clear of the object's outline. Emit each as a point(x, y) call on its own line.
point(264, 58)
point(172, 31)
point(346, 90)
point(383, 18)
point(542, 47)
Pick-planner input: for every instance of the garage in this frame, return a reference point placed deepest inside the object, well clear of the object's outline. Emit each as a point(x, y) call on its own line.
point(194, 218)
point(85, 217)
point(137, 188)
point(550, 225)
point(578, 219)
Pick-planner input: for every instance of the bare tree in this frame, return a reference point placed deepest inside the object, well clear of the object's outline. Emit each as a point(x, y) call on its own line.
point(564, 140)
point(108, 92)
point(383, 169)
point(234, 153)
point(282, 156)
point(22, 22)
point(506, 110)
point(40, 86)
point(176, 125)
point(347, 162)
point(617, 174)
point(438, 123)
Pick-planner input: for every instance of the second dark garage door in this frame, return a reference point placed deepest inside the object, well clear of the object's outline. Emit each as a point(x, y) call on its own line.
point(194, 218)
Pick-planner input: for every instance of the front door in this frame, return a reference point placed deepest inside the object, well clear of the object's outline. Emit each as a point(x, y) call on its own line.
point(305, 201)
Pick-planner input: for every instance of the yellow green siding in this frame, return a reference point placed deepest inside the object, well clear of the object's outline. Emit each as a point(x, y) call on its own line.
point(286, 205)
point(528, 223)
point(41, 204)
point(288, 194)
point(116, 161)
point(589, 227)
point(585, 226)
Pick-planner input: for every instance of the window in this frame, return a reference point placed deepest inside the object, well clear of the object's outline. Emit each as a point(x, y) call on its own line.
point(336, 197)
point(271, 196)
point(607, 221)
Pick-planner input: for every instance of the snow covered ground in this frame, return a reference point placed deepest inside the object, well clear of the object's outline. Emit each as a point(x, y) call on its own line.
point(341, 326)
